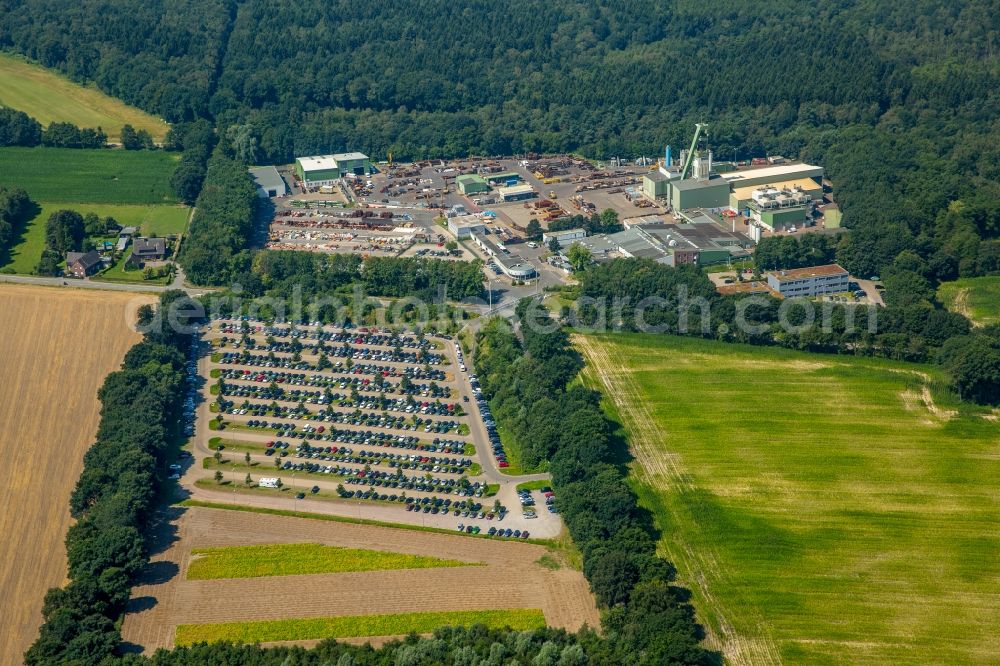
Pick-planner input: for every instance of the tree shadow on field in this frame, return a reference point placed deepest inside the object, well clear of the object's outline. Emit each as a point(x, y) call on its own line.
point(162, 528)
point(157, 573)
point(621, 457)
point(140, 604)
point(20, 231)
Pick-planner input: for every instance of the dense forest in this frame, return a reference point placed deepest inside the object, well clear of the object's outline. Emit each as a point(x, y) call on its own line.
point(897, 100)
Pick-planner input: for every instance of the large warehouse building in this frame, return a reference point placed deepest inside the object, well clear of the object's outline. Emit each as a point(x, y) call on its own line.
point(320, 170)
point(734, 189)
point(269, 182)
point(471, 184)
point(805, 177)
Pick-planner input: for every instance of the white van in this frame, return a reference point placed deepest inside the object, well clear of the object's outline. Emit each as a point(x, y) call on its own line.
point(268, 482)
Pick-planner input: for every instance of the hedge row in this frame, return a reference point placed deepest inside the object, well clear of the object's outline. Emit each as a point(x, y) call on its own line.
point(648, 620)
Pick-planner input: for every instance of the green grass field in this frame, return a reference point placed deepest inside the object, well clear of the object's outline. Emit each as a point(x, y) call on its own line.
point(823, 510)
point(48, 96)
point(90, 176)
point(159, 219)
point(976, 298)
point(356, 625)
point(302, 558)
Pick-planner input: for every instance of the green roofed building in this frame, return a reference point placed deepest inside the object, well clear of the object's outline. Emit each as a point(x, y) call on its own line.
point(503, 178)
point(699, 193)
point(320, 170)
point(471, 184)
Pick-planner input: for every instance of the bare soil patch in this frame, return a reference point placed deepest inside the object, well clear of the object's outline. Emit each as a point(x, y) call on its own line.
point(509, 578)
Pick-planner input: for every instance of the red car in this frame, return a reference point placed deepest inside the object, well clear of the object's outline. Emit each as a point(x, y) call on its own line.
point(503, 464)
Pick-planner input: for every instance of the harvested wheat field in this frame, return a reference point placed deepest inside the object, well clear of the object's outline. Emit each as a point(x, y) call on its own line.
point(499, 575)
point(56, 346)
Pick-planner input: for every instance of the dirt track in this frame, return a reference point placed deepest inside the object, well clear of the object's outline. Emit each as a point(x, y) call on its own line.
point(510, 578)
point(57, 347)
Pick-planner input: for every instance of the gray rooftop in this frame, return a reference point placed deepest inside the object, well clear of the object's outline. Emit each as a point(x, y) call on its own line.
point(268, 178)
point(87, 259)
point(696, 184)
point(347, 157)
point(148, 246)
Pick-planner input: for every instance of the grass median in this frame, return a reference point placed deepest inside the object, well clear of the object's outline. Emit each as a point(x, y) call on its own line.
point(289, 559)
point(522, 619)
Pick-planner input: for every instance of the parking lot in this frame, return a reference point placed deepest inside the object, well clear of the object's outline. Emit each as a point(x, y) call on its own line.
point(361, 422)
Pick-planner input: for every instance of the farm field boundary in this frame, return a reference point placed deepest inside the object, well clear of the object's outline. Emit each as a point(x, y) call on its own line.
point(975, 298)
point(356, 626)
point(49, 97)
point(98, 176)
point(821, 509)
point(506, 575)
point(302, 558)
point(58, 346)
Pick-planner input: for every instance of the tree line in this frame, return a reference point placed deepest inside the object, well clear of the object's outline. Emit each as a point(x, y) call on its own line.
point(19, 129)
point(113, 501)
point(912, 326)
point(549, 417)
point(16, 208)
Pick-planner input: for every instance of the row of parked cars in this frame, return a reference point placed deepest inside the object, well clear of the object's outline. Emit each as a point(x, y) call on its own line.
point(406, 405)
point(496, 446)
point(359, 383)
point(355, 354)
point(499, 533)
point(364, 335)
point(369, 419)
point(429, 505)
point(528, 502)
point(191, 384)
point(421, 463)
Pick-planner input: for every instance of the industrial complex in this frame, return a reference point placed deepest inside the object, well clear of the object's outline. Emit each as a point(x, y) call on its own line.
point(512, 212)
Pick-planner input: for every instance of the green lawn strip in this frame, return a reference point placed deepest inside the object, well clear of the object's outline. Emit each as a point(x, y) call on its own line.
point(819, 516)
point(522, 619)
point(84, 176)
point(290, 559)
point(534, 485)
point(345, 519)
point(235, 445)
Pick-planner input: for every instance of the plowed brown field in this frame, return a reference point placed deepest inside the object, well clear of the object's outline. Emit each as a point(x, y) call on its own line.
point(510, 578)
point(56, 346)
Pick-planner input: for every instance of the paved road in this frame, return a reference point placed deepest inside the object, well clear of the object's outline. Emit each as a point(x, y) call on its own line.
point(106, 286)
